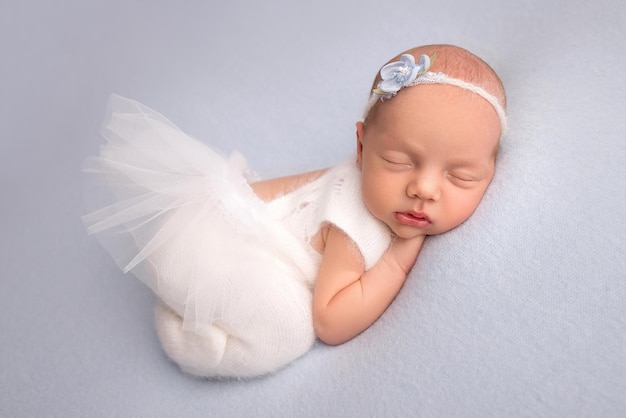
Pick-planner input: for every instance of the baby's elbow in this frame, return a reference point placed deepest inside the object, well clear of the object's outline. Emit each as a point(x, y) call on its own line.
point(328, 337)
point(326, 330)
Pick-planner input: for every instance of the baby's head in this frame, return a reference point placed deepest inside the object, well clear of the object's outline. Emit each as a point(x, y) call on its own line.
point(428, 142)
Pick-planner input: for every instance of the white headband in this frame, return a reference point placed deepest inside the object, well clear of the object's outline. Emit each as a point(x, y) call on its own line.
point(406, 73)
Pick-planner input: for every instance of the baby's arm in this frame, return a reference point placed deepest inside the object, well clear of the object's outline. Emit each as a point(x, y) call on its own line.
point(270, 189)
point(347, 299)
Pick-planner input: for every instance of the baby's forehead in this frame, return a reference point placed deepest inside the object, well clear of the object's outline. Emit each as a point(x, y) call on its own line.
point(438, 110)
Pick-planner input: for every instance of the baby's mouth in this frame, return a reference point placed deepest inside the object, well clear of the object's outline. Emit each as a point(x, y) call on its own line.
point(415, 219)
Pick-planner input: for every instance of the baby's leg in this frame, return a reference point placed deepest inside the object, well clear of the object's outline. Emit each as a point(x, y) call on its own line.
point(278, 332)
point(234, 303)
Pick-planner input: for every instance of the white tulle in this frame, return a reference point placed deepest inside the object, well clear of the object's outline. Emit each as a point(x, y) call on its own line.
point(187, 223)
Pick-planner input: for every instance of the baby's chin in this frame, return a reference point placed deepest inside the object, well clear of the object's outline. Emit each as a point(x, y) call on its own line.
point(409, 233)
point(405, 233)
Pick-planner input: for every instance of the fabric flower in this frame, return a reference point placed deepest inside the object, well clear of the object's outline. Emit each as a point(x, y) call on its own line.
point(398, 74)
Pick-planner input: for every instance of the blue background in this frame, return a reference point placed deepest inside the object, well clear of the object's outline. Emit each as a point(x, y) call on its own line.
point(521, 311)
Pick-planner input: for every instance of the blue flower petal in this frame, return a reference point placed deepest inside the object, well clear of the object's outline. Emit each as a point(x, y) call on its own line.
point(389, 86)
point(423, 63)
point(407, 59)
point(390, 70)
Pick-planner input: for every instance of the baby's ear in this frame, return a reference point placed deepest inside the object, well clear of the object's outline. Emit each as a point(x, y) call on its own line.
point(360, 132)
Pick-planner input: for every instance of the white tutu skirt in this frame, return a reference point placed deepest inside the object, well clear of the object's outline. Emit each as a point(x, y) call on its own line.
point(187, 224)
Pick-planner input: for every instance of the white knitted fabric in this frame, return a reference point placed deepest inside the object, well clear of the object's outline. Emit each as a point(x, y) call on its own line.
point(234, 274)
point(334, 198)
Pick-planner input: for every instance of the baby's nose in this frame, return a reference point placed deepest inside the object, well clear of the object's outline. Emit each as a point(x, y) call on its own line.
point(424, 187)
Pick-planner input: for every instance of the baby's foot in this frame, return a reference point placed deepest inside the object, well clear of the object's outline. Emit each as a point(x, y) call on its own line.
point(195, 354)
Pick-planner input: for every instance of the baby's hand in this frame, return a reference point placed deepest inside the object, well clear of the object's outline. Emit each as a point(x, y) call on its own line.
point(403, 252)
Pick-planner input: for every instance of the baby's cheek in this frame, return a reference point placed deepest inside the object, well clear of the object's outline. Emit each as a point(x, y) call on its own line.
point(467, 208)
point(372, 202)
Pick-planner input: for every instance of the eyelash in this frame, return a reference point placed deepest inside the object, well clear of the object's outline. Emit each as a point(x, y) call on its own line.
point(462, 181)
point(407, 165)
point(462, 178)
point(402, 163)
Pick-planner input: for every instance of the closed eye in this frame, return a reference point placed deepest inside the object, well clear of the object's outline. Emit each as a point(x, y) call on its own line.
point(397, 160)
point(463, 177)
point(397, 165)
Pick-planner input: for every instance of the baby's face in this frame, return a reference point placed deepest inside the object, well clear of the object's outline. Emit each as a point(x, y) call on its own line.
point(427, 158)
